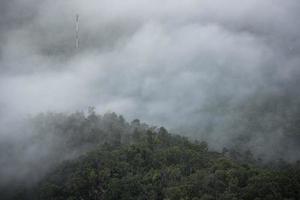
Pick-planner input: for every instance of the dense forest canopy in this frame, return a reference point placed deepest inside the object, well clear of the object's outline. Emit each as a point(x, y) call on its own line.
point(219, 79)
point(91, 156)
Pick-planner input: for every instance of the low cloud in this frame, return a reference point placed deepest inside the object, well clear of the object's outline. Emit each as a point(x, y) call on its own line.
point(169, 63)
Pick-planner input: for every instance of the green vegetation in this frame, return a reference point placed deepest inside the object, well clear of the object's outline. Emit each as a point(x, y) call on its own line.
point(135, 161)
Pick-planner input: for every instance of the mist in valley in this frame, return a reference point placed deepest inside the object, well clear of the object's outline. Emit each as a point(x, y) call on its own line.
point(222, 72)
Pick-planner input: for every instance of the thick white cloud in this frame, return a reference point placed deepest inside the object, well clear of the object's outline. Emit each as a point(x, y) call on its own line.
point(162, 61)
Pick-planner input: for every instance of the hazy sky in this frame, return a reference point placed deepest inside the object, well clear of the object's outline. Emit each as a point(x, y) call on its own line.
point(158, 60)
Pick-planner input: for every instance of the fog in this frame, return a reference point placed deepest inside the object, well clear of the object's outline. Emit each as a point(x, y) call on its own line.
point(185, 65)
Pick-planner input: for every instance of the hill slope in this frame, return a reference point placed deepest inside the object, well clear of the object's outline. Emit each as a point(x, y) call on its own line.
point(97, 157)
point(159, 165)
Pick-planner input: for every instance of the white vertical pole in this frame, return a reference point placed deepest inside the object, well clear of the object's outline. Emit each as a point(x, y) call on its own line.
point(77, 32)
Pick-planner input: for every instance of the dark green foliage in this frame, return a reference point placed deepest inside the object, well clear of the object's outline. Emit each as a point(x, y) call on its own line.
point(164, 167)
point(154, 169)
point(133, 161)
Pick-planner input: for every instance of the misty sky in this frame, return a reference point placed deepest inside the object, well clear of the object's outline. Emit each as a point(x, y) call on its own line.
point(160, 61)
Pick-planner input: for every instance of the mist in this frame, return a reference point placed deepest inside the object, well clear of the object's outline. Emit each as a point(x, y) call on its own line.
point(195, 67)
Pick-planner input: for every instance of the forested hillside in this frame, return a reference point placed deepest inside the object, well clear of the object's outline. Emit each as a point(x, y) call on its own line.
point(206, 94)
point(94, 157)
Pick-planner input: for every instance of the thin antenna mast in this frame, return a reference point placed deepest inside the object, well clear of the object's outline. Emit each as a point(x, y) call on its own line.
point(77, 32)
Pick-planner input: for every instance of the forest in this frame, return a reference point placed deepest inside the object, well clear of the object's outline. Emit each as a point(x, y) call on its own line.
point(190, 100)
point(95, 157)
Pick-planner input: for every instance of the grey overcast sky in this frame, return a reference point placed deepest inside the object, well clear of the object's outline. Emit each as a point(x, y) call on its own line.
point(159, 60)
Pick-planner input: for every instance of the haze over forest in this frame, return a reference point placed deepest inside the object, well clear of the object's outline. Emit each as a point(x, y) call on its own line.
point(224, 72)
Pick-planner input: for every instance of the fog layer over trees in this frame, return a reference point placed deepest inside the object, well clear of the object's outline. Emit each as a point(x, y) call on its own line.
point(222, 72)
point(80, 156)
